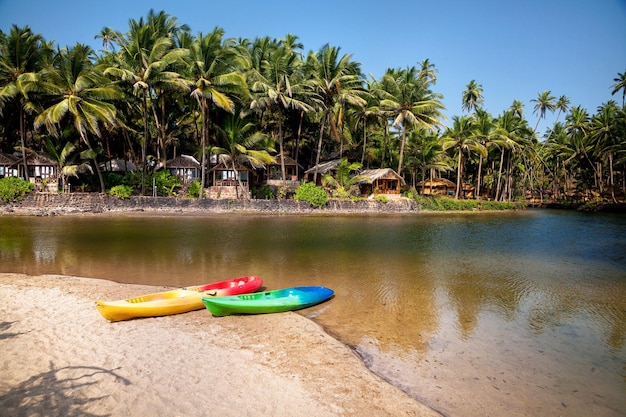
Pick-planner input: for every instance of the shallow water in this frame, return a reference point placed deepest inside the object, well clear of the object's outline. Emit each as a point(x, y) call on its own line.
point(474, 314)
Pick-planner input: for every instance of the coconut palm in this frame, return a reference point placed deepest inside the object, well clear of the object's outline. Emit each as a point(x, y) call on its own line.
point(214, 68)
point(517, 108)
point(484, 133)
point(22, 56)
point(543, 103)
point(472, 97)
point(108, 37)
point(620, 84)
point(462, 139)
point(604, 134)
point(425, 153)
point(81, 96)
point(562, 105)
point(343, 183)
point(337, 83)
point(278, 86)
point(242, 144)
point(144, 60)
point(407, 97)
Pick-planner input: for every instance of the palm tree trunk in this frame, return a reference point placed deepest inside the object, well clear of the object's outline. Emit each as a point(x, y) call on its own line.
point(203, 146)
point(480, 169)
point(319, 147)
point(144, 144)
point(401, 157)
point(458, 177)
point(498, 186)
point(23, 141)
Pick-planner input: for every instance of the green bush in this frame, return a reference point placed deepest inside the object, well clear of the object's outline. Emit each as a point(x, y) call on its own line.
point(14, 189)
point(121, 191)
point(263, 192)
point(382, 199)
point(194, 189)
point(163, 180)
point(313, 195)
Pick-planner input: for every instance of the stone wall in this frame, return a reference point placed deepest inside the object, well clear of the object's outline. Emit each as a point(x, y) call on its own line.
point(75, 203)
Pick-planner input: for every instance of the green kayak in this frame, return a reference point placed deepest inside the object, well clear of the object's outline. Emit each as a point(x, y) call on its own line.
point(286, 299)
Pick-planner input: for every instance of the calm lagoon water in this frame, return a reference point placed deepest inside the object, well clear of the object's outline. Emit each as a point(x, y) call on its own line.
point(517, 314)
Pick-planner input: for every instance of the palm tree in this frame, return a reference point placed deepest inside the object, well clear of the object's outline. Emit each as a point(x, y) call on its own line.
point(462, 139)
point(143, 61)
point(242, 144)
point(108, 37)
point(472, 97)
point(278, 85)
point(543, 103)
point(620, 84)
point(604, 134)
point(65, 157)
point(406, 95)
point(336, 81)
point(214, 68)
point(23, 55)
point(484, 133)
point(81, 95)
point(517, 108)
point(342, 183)
point(562, 105)
point(425, 153)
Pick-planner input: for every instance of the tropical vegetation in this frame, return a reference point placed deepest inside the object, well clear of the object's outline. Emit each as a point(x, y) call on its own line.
point(157, 90)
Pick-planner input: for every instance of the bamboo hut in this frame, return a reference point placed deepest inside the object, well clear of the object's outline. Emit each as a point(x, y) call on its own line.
point(380, 181)
point(185, 167)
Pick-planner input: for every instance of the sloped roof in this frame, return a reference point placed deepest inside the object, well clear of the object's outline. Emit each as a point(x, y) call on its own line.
point(437, 182)
point(288, 161)
point(36, 159)
point(368, 176)
point(8, 159)
point(118, 165)
point(183, 161)
point(324, 167)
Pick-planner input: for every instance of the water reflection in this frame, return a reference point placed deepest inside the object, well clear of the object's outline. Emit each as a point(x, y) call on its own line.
point(451, 301)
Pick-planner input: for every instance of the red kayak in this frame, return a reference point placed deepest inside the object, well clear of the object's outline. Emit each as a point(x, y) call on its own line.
point(175, 301)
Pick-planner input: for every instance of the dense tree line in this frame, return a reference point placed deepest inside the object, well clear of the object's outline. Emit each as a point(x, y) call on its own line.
point(158, 90)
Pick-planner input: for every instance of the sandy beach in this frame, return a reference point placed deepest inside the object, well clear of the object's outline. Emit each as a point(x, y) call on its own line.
point(61, 358)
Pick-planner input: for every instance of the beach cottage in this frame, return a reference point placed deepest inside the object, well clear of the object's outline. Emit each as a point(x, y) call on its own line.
point(380, 181)
point(185, 167)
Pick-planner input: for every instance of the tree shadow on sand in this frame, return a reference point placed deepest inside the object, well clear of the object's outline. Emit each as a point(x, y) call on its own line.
point(4, 326)
point(66, 391)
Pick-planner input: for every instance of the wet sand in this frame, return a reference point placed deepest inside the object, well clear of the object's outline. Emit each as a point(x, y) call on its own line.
point(61, 358)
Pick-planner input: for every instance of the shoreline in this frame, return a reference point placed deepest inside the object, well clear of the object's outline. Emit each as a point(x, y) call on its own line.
point(59, 351)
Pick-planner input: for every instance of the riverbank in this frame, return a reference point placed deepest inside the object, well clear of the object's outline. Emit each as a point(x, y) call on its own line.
point(50, 204)
point(60, 357)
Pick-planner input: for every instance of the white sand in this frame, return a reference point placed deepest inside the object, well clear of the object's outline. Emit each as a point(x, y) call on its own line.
point(61, 358)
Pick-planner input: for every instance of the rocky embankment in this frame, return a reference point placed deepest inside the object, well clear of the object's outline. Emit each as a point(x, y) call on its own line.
point(50, 204)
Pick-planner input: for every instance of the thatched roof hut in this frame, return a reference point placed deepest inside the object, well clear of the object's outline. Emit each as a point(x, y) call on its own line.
point(185, 167)
point(380, 181)
point(436, 186)
point(117, 165)
point(9, 165)
point(321, 169)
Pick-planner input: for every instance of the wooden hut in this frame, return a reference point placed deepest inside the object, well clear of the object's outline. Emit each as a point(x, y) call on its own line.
point(9, 165)
point(437, 186)
point(185, 167)
point(380, 181)
point(322, 168)
point(274, 171)
point(117, 165)
point(225, 182)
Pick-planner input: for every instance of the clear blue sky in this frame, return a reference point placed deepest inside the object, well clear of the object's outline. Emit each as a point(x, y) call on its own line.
point(514, 49)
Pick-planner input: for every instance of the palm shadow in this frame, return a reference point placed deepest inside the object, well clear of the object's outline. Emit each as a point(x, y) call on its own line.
point(4, 326)
point(58, 392)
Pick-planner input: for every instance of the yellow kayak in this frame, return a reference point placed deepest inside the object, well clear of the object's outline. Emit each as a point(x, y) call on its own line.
point(175, 301)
